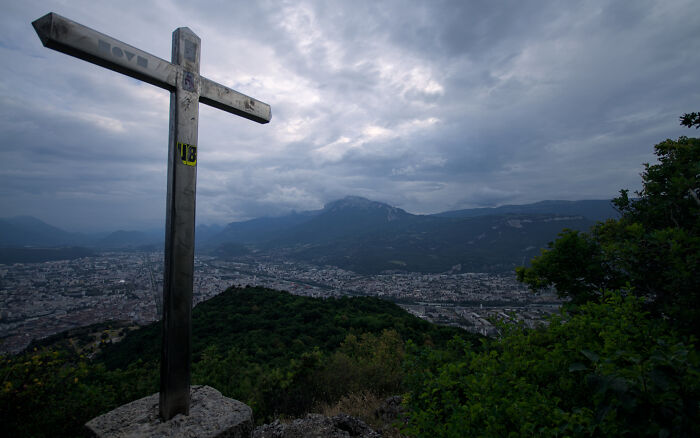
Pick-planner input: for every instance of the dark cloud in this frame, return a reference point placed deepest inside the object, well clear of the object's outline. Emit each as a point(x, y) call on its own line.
point(427, 105)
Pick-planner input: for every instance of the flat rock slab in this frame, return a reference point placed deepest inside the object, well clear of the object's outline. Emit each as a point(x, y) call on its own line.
point(211, 416)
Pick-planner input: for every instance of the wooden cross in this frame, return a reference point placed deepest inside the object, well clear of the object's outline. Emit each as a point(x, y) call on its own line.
point(181, 78)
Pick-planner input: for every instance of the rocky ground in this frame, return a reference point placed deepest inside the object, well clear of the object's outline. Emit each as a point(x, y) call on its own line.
point(317, 426)
point(337, 426)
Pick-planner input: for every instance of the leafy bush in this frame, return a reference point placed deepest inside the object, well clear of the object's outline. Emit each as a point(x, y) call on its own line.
point(652, 251)
point(53, 393)
point(370, 364)
point(606, 370)
point(282, 353)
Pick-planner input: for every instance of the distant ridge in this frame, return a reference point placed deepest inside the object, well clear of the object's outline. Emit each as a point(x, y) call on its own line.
point(371, 237)
point(258, 230)
point(358, 234)
point(596, 210)
point(30, 231)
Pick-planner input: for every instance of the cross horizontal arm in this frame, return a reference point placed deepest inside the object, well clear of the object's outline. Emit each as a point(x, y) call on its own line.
point(232, 101)
point(67, 36)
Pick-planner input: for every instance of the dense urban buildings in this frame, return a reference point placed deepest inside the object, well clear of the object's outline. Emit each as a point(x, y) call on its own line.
point(40, 299)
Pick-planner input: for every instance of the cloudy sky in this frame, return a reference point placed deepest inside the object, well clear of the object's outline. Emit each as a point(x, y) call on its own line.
point(426, 105)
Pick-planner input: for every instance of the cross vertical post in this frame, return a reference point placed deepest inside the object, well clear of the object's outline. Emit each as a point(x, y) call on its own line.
point(179, 228)
point(187, 89)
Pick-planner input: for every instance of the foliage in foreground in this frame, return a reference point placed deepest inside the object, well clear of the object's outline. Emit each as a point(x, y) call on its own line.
point(50, 392)
point(652, 251)
point(606, 370)
point(622, 363)
point(281, 354)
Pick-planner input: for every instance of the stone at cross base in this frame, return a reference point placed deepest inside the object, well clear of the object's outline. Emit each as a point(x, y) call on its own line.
point(211, 416)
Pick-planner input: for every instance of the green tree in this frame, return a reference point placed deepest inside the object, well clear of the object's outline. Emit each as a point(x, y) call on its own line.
point(606, 370)
point(690, 120)
point(652, 250)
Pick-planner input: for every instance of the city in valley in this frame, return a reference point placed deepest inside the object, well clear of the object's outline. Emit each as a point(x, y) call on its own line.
point(41, 299)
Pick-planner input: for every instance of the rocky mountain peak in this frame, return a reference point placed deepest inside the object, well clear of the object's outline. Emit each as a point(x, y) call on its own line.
point(360, 204)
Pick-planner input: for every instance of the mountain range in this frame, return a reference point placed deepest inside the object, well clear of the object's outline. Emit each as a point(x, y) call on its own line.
point(360, 235)
point(372, 237)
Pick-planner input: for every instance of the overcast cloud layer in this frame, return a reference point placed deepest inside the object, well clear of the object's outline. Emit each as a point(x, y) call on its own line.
point(429, 106)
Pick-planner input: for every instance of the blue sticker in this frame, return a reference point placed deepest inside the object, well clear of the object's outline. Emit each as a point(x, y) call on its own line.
point(188, 81)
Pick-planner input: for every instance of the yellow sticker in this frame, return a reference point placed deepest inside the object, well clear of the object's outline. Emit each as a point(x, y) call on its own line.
point(188, 153)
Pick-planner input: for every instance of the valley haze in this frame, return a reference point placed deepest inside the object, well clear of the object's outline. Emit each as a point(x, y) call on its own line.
point(357, 234)
point(453, 268)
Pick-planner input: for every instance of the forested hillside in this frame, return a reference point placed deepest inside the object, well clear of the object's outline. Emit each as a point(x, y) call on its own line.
point(280, 353)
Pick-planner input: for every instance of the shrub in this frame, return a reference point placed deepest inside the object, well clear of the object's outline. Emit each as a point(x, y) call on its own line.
point(606, 370)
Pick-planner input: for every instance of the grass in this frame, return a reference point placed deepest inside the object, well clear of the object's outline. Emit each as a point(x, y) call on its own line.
point(362, 405)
